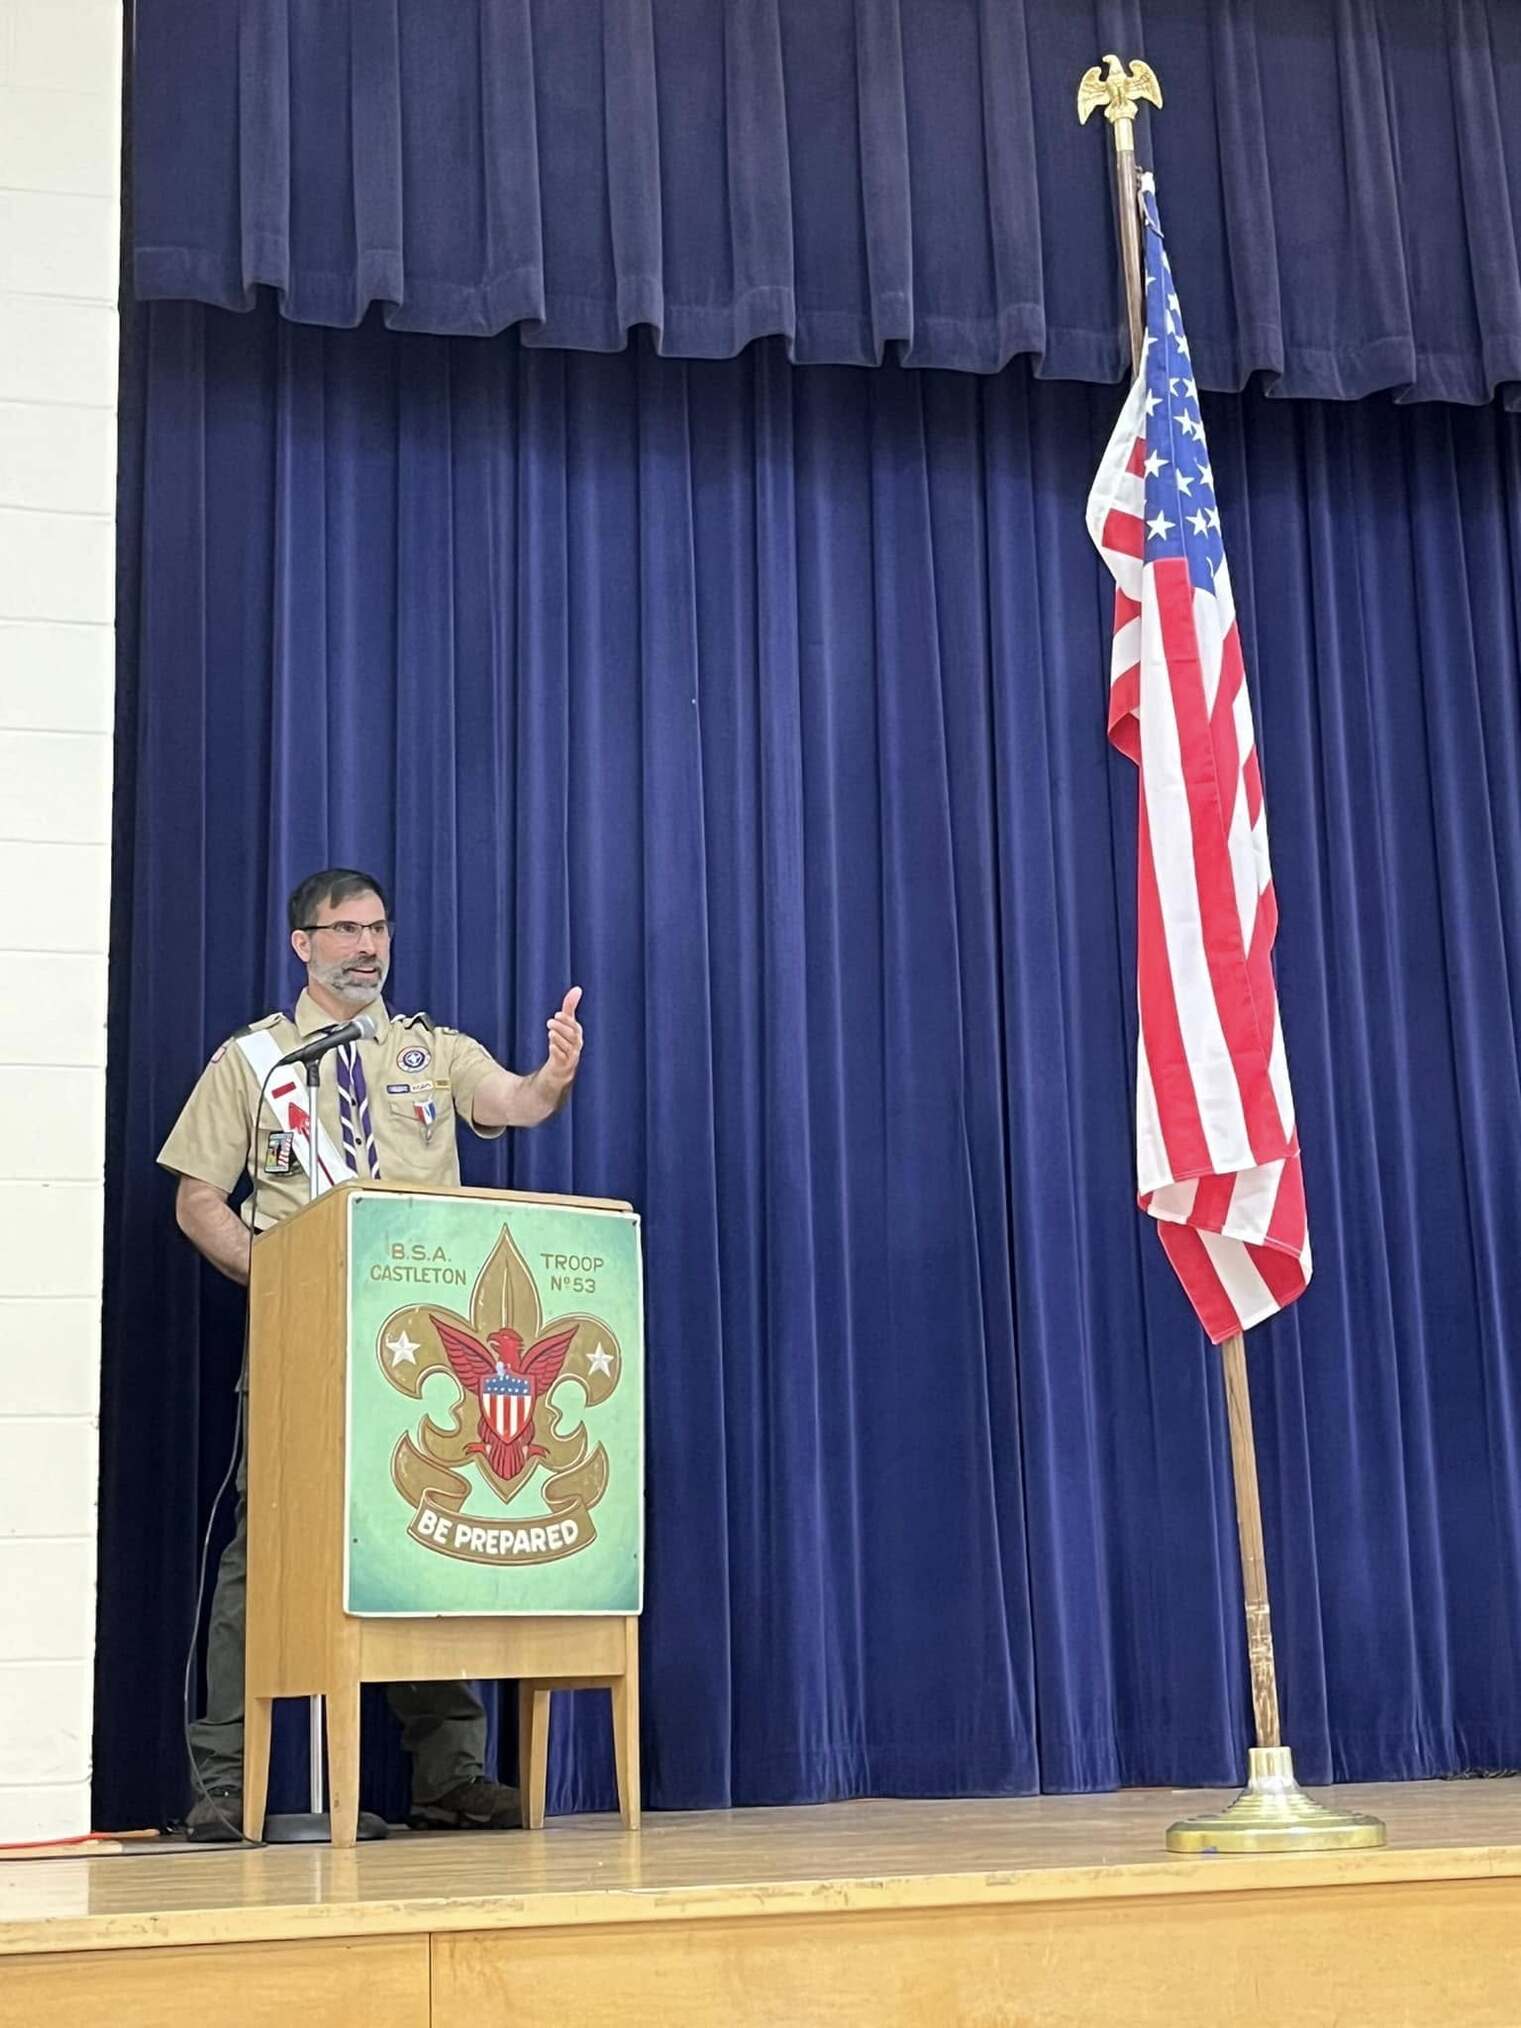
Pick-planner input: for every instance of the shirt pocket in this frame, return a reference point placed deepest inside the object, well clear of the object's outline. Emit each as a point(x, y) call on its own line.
point(411, 1115)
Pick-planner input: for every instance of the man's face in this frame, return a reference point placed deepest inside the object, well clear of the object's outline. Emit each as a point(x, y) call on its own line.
point(351, 966)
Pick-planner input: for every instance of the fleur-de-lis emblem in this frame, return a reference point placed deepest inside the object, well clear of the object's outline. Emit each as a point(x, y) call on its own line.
point(510, 1433)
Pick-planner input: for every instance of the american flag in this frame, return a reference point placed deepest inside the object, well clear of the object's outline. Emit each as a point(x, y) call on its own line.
point(1217, 1155)
point(507, 1399)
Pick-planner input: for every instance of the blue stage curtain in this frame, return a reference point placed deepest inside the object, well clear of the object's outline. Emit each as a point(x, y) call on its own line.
point(769, 705)
point(1341, 178)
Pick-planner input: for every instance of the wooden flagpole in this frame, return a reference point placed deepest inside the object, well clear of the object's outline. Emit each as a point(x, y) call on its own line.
point(1272, 1813)
point(1254, 1584)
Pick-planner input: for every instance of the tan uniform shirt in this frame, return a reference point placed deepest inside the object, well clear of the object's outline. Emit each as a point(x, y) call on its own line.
point(410, 1061)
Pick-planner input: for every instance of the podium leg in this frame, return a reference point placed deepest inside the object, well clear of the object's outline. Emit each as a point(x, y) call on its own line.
point(258, 1722)
point(625, 1689)
point(343, 1763)
point(533, 1751)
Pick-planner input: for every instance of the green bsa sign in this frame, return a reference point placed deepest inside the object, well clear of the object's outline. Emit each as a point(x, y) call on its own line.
point(495, 1407)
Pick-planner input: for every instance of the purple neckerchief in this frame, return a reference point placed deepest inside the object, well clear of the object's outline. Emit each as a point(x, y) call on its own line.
point(354, 1111)
point(354, 1120)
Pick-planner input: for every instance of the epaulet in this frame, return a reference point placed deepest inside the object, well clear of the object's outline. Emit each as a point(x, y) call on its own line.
point(217, 1054)
point(418, 1020)
point(266, 1021)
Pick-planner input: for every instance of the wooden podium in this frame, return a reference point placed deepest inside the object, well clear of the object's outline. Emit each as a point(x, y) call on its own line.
point(301, 1642)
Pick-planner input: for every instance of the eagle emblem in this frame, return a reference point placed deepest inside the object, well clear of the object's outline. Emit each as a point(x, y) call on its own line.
point(1116, 93)
point(507, 1383)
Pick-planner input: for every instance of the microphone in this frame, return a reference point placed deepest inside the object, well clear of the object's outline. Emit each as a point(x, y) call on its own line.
point(361, 1029)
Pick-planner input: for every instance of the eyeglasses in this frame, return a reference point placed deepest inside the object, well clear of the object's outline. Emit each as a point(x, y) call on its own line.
point(351, 932)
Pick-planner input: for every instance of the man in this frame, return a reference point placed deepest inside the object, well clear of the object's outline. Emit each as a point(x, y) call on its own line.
point(392, 1105)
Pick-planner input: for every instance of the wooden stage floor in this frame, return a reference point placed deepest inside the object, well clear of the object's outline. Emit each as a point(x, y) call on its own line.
point(1057, 1910)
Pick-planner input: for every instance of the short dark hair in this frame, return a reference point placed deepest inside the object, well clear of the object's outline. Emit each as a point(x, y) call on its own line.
point(332, 885)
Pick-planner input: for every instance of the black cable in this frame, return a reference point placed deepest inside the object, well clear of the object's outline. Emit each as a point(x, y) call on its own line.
point(221, 1493)
point(195, 1624)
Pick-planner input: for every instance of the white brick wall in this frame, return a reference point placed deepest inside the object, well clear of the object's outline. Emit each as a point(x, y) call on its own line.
point(60, 67)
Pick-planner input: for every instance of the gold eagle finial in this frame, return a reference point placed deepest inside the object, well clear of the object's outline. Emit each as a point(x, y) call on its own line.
point(1117, 92)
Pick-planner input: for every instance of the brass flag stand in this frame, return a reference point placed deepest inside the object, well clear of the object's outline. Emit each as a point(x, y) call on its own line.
point(1272, 1813)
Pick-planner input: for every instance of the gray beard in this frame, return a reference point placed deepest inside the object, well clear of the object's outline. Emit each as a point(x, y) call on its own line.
point(354, 993)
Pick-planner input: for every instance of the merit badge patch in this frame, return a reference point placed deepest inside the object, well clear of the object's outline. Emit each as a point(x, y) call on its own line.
point(279, 1155)
point(414, 1059)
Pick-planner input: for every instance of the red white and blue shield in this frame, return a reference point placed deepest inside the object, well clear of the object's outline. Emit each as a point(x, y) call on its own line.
point(507, 1399)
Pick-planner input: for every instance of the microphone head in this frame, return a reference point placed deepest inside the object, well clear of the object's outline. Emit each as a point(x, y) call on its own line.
point(364, 1027)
